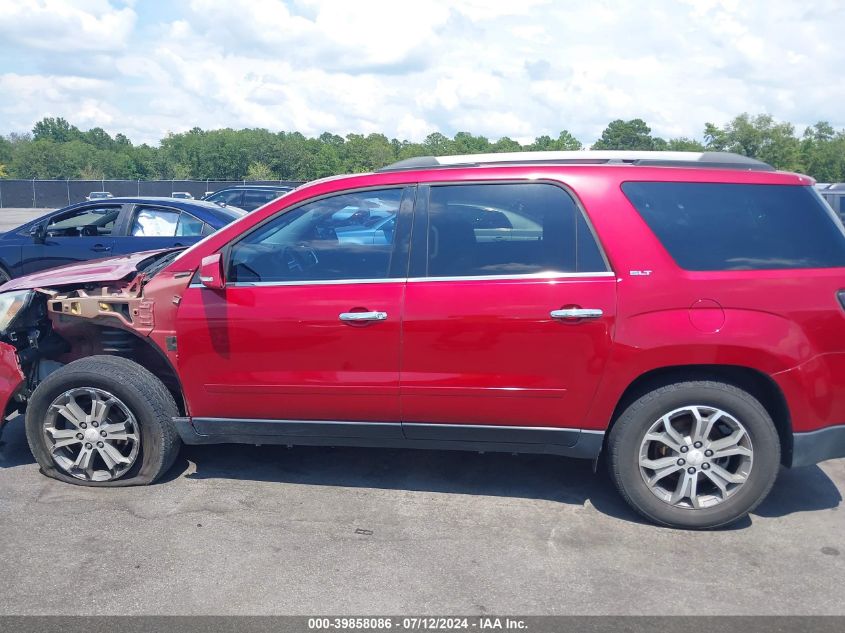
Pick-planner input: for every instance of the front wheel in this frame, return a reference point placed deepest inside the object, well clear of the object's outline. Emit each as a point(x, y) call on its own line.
point(694, 455)
point(102, 421)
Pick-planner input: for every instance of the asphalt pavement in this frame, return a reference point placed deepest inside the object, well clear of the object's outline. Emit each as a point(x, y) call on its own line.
point(271, 530)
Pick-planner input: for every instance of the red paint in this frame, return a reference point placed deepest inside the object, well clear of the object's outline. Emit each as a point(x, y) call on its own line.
point(11, 378)
point(707, 316)
point(96, 271)
point(486, 351)
point(282, 352)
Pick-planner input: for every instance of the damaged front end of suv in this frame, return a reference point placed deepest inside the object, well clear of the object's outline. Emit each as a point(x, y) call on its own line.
point(95, 308)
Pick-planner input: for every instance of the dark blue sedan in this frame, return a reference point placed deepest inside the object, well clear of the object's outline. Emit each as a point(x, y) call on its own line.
point(99, 228)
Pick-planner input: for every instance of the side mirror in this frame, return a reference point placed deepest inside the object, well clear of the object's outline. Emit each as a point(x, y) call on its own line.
point(211, 272)
point(38, 233)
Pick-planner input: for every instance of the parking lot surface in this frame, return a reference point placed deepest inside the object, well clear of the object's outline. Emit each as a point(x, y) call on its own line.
point(13, 217)
point(270, 530)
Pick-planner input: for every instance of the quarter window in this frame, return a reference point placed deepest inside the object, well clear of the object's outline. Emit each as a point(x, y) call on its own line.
point(349, 236)
point(710, 226)
point(155, 223)
point(508, 229)
point(152, 222)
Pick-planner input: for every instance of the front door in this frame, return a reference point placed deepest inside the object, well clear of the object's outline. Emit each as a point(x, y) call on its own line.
point(73, 236)
point(308, 325)
point(508, 315)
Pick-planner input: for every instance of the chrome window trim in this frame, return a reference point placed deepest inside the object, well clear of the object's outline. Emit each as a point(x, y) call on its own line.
point(386, 280)
point(550, 275)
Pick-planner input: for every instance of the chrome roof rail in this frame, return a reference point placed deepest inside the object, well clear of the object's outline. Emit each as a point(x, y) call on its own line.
point(723, 160)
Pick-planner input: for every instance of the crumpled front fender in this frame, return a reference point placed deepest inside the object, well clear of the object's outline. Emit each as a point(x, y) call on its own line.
point(11, 379)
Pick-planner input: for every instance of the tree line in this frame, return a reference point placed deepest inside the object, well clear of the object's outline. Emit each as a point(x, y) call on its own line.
point(56, 149)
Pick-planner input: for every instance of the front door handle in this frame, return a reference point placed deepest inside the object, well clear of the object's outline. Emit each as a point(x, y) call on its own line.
point(576, 313)
point(100, 248)
point(358, 317)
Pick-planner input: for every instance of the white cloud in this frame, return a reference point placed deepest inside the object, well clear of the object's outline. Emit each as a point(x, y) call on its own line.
point(493, 67)
point(66, 27)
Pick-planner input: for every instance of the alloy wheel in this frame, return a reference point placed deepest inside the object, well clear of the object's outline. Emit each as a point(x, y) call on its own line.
point(696, 457)
point(92, 435)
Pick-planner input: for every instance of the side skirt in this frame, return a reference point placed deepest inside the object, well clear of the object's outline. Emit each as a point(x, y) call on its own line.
point(581, 443)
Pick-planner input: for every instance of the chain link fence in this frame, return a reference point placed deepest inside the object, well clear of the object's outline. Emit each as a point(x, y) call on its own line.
point(52, 194)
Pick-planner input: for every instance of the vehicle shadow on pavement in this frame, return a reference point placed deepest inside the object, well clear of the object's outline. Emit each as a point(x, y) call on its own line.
point(543, 477)
point(14, 451)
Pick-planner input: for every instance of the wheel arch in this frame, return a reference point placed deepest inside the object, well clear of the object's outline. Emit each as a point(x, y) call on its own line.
point(151, 357)
point(755, 382)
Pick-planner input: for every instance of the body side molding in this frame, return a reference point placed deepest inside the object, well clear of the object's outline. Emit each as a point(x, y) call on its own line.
point(468, 437)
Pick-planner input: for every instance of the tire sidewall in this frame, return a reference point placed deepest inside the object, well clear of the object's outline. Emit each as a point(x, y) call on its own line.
point(57, 384)
point(628, 433)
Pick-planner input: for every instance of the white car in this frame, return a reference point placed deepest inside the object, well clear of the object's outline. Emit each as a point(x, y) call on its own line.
point(99, 195)
point(183, 195)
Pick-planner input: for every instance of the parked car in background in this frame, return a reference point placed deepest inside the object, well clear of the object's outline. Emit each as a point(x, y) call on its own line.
point(182, 195)
point(98, 195)
point(834, 194)
point(95, 229)
point(679, 314)
point(248, 197)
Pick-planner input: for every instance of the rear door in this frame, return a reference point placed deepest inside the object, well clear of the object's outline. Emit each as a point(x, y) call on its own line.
point(150, 227)
point(77, 235)
point(509, 311)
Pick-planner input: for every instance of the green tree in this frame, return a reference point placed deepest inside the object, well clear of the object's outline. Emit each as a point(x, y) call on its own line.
point(759, 137)
point(684, 144)
point(3, 172)
point(260, 171)
point(631, 135)
point(823, 152)
point(564, 142)
point(55, 129)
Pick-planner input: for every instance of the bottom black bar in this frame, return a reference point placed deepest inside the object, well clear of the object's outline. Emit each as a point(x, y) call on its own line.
point(375, 623)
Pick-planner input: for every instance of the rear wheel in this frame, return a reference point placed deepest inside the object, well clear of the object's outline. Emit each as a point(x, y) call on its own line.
point(694, 454)
point(102, 421)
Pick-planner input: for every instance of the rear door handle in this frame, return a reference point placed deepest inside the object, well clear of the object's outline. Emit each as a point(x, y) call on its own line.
point(576, 313)
point(362, 316)
point(100, 248)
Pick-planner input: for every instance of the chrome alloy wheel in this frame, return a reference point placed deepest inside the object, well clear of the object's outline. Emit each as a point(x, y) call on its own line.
point(696, 457)
point(91, 434)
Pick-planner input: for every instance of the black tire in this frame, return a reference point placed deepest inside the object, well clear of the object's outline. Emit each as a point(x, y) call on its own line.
point(140, 391)
point(630, 429)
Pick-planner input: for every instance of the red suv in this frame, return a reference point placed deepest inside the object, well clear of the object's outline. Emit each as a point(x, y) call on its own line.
point(679, 314)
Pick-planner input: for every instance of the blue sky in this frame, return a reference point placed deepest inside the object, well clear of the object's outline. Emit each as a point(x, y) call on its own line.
point(518, 69)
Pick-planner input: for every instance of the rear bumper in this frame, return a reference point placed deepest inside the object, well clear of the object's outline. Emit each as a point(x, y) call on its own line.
point(817, 446)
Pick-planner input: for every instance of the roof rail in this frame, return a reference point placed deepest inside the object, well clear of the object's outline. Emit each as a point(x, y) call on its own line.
point(723, 160)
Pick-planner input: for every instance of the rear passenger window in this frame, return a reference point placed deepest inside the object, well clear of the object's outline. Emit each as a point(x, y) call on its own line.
point(508, 229)
point(708, 226)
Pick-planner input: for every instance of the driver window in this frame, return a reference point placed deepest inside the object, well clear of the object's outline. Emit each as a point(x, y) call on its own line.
point(348, 236)
point(87, 222)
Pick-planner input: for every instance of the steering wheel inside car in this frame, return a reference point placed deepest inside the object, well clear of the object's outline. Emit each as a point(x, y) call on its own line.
point(300, 258)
